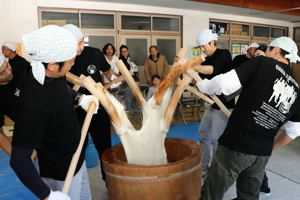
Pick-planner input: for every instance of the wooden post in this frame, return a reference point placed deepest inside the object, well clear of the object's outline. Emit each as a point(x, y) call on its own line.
point(214, 97)
point(133, 86)
point(75, 158)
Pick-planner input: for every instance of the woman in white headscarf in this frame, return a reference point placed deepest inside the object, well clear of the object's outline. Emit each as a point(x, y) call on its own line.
point(45, 118)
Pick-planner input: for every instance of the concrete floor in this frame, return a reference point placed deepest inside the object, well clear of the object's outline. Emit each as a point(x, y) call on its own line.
point(283, 171)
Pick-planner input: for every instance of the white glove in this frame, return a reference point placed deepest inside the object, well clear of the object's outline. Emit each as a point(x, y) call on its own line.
point(113, 77)
point(86, 100)
point(115, 85)
point(57, 195)
point(203, 86)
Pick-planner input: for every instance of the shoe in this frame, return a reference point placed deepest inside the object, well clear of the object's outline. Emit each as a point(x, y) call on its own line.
point(266, 191)
point(265, 194)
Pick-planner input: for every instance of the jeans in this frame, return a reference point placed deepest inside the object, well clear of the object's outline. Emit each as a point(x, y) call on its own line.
point(212, 126)
point(80, 187)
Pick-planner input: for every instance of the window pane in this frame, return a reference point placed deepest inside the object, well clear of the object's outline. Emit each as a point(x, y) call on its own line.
point(97, 21)
point(260, 31)
point(223, 44)
point(136, 22)
point(168, 48)
point(239, 29)
point(98, 41)
point(219, 27)
point(59, 18)
point(277, 32)
point(165, 24)
point(297, 34)
point(137, 50)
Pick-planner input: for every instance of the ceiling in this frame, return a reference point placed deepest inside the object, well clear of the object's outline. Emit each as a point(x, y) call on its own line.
point(239, 7)
point(291, 7)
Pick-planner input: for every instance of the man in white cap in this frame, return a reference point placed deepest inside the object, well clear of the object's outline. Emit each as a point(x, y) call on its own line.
point(90, 62)
point(240, 59)
point(214, 120)
point(10, 73)
point(45, 118)
point(6, 101)
point(269, 99)
point(16, 62)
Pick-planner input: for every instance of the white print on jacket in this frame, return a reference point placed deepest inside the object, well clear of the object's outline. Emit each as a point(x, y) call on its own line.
point(284, 95)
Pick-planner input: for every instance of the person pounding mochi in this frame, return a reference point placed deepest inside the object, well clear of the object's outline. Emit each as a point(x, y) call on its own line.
point(16, 62)
point(10, 74)
point(214, 120)
point(45, 119)
point(264, 189)
point(6, 101)
point(91, 62)
point(269, 99)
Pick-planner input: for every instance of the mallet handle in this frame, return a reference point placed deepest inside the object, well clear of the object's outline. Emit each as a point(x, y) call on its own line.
point(76, 155)
point(214, 97)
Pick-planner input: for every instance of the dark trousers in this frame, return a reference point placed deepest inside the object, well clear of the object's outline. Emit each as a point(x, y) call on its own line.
point(229, 166)
point(99, 130)
point(265, 183)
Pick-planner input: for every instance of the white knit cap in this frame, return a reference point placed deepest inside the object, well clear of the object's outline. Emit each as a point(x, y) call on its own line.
point(289, 46)
point(12, 46)
point(254, 44)
point(205, 36)
point(1, 60)
point(49, 44)
point(74, 30)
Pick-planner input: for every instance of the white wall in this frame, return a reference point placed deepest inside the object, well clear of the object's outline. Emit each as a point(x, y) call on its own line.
point(20, 16)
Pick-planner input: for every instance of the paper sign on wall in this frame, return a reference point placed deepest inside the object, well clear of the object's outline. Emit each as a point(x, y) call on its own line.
point(193, 51)
point(244, 48)
point(236, 50)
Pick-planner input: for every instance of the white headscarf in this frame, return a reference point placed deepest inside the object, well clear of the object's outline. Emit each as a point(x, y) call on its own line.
point(1, 60)
point(254, 44)
point(74, 30)
point(49, 44)
point(205, 36)
point(12, 46)
point(289, 46)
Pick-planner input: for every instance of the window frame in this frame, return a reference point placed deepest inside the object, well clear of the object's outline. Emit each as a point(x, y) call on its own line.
point(98, 12)
point(167, 17)
point(251, 37)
